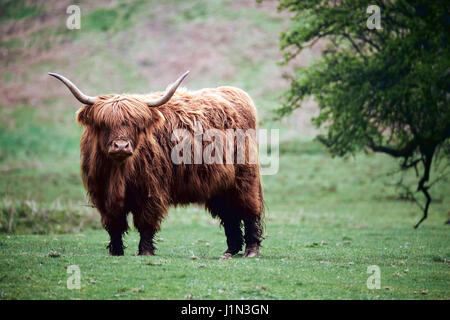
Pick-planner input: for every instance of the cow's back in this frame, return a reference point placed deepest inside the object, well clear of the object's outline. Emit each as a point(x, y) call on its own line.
point(221, 109)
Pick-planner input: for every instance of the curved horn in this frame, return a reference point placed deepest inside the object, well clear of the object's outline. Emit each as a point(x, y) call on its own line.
point(166, 97)
point(75, 91)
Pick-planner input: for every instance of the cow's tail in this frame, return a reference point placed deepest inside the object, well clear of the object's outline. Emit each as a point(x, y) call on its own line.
point(262, 204)
point(263, 207)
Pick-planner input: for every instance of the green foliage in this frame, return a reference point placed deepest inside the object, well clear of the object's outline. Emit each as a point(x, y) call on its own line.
point(101, 19)
point(106, 19)
point(34, 217)
point(197, 11)
point(18, 10)
point(11, 44)
point(24, 137)
point(39, 156)
point(386, 90)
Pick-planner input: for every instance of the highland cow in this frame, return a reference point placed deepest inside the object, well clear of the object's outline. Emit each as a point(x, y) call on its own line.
point(126, 162)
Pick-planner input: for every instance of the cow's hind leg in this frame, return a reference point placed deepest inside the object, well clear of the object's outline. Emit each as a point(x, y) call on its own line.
point(249, 200)
point(116, 227)
point(231, 221)
point(253, 235)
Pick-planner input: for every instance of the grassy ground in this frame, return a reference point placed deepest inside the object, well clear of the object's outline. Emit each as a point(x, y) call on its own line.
point(327, 219)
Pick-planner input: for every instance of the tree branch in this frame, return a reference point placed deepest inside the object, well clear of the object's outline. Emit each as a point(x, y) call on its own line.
point(428, 158)
point(406, 152)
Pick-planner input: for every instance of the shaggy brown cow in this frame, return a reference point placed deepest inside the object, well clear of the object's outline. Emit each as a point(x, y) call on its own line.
point(127, 167)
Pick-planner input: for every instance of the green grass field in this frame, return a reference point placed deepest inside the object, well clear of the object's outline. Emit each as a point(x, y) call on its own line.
point(327, 219)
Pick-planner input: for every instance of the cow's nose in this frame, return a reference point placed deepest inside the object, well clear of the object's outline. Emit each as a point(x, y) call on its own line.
point(121, 145)
point(120, 148)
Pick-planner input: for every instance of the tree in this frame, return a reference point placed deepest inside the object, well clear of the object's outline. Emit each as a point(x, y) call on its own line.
point(385, 90)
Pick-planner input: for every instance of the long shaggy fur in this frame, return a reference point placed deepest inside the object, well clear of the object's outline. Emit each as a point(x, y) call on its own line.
point(148, 182)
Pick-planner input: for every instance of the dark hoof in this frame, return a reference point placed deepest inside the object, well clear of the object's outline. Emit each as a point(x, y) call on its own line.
point(232, 251)
point(116, 250)
point(226, 256)
point(228, 253)
point(252, 251)
point(147, 253)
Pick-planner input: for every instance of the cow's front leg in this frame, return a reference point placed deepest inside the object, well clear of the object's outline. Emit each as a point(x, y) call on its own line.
point(146, 246)
point(147, 220)
point(116, 227)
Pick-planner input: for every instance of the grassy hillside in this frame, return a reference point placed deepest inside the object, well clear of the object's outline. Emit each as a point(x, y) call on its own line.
point(327, 219)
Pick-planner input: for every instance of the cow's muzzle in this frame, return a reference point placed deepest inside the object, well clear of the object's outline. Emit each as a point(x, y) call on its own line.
point(120, 149)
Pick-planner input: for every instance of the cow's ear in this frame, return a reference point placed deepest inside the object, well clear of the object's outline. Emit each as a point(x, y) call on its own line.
point(84, 115)
point(156, 120)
